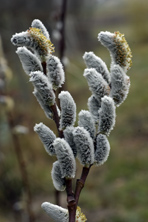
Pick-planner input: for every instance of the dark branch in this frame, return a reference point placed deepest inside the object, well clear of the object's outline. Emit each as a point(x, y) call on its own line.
point(80, 183)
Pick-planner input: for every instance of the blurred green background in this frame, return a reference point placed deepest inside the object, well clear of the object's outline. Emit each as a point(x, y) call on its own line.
point(118, 190)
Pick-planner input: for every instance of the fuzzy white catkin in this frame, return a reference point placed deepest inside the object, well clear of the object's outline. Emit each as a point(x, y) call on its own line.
point(84, 145)
point(86, 121)
point(68, 135)
point(47, 109)
point(94, 106)
point(58, 214)
point(68, 110)
point(24, 39)
point(43, 86)
point(55, 71)
point(120, 84)
point(36, 23)
point(106, 39)
point(47, 137)
point(102, 149)
point(107, 115)
point(65, 157)
point(29, 61)
point(21, 39)
point(58, 181)
point(97, 85)
point(93, 61)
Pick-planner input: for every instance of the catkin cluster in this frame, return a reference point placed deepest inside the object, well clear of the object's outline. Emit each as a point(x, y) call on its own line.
point(87, 140)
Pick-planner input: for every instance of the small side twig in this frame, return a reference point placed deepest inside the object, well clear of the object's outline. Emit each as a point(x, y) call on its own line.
point(80, 183)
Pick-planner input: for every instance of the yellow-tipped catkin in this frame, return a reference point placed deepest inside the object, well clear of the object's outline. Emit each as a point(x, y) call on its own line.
point(44, 43)
point(123, 51)
point(118, 47)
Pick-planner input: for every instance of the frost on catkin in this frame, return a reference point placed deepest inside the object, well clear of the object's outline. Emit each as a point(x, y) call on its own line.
point(58, 181)
point(29, 61)
point(86, 121)
point(102, 149)
point(55, 71)
point(93, 61)
point(65, 157)
point(68, 110)
point(84, 145)
point(68, 135)
point(46, 136)
point(120, 84)
point(97, 85)
point(107, 115)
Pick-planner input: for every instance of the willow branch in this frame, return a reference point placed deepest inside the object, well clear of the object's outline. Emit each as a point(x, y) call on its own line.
point(70, 200)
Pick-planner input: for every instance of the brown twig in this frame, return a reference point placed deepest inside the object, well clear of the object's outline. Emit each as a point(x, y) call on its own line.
point(70, 200)
point(57, 122)
point(62, 44)
point(80, 183)
point(62, 30)
point(73, 198)
point(54, 107)
point(22, 167)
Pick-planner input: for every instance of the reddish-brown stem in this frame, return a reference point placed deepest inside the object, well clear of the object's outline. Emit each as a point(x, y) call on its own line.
point(56, 119)
point(80, 183)
point(53, 107)
point(73, 198)
point(57, 122)
point(44, 67)
point(70, 200)
point(22, 167)
point(57, 197)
